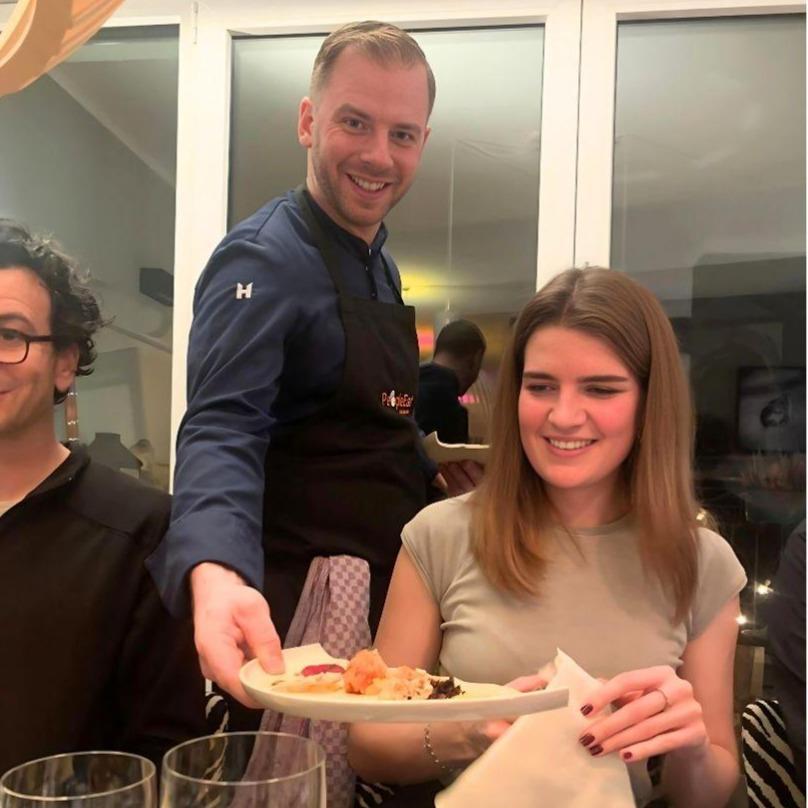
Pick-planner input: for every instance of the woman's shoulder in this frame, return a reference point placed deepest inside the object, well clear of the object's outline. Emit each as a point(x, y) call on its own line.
point(721, 577)
point(438, 541)
point(715, 551)
point(446, 523)
point(453, 512)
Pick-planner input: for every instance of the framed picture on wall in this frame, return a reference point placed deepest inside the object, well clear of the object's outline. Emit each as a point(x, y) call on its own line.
point(771, 409)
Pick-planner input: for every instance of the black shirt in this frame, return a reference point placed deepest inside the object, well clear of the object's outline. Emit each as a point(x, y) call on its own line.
point(90, 657)
point(437, 408)
point(785, 613)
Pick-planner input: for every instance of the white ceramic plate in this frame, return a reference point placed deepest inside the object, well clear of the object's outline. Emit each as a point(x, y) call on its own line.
point(479, 701)
point(455, 452)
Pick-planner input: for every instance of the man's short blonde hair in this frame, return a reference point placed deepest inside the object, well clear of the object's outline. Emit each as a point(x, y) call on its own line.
point(380, 41)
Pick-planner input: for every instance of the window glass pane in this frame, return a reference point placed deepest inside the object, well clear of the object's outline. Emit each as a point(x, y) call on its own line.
point(709, 212)
point(89, 157)
point(464, 237)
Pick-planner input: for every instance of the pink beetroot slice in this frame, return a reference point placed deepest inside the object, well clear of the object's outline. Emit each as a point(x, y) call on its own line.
point(313, 670)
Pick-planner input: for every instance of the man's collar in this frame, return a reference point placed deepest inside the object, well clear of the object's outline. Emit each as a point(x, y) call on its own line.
point(64, 473)
point(352, 242)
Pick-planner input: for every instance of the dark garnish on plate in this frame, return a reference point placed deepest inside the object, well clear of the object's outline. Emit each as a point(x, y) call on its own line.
point(444, 688)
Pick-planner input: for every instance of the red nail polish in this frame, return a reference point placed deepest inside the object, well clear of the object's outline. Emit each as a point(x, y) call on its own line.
point(587, 739)
point(586, 709)
point(595, 750)
point(627, 755)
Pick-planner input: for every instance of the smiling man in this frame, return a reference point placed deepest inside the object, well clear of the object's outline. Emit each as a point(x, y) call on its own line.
point(91, 658)
point(298, 444)
point(365, 128)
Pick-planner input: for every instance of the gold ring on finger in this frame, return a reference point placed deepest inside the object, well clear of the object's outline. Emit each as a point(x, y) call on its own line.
point(664, 696)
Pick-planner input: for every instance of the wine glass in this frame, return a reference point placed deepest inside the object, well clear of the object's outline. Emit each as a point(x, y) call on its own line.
point(81, 780)
point(245, 770)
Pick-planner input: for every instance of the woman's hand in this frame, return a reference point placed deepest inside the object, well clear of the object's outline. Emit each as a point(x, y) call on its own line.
point(656, 713)
point(481, 734)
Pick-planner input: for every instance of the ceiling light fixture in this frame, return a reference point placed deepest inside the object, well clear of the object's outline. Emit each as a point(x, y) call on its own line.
point(42, 33)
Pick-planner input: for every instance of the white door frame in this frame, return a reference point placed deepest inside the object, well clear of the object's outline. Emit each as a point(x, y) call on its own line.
point(597, 99)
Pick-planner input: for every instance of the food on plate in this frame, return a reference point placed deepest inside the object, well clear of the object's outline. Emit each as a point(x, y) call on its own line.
point(368, 675)
point(326, 682)
point(445, 688)
point(363, 669)
point(312, 670)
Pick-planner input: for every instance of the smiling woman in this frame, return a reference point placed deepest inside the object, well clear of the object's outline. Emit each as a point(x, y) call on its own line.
point(615, 378)
point(577, 419)
point(582, 536)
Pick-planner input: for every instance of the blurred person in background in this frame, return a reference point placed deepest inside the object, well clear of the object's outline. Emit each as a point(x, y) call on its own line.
point(455, 366)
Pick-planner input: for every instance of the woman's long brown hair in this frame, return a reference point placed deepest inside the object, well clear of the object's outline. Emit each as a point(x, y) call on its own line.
point(511, 509)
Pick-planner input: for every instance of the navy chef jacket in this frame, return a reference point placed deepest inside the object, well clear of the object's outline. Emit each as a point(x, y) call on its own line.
point(266, 349)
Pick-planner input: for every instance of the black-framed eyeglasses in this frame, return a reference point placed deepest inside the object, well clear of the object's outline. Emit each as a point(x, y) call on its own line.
point(14, 345)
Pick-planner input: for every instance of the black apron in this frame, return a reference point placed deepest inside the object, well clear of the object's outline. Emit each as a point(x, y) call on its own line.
point(346, 479)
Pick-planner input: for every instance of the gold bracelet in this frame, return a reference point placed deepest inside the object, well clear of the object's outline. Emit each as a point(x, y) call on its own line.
point(431, 752)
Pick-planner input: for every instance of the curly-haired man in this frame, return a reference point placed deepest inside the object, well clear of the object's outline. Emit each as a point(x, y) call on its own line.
point(90, 657)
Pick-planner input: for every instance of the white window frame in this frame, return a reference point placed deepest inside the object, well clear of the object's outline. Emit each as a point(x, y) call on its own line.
point(593, 228)
point(577, 130)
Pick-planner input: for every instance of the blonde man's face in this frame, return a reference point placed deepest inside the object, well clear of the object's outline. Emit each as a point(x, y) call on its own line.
point(365, 132)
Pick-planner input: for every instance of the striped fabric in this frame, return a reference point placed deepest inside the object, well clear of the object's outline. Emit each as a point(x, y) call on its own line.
point(371, 795)
point(216, 713)
point(767, 759)
point(377, 795)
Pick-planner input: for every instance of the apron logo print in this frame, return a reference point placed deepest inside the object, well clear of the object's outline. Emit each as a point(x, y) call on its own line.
point(243, 291)
point(400, 402)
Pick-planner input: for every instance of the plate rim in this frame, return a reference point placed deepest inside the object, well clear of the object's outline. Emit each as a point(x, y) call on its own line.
point(391, 710)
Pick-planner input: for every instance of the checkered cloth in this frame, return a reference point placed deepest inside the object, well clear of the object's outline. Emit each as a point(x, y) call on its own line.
point(333, 610)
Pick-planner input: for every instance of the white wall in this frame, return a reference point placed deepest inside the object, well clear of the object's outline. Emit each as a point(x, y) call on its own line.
point(64, 173)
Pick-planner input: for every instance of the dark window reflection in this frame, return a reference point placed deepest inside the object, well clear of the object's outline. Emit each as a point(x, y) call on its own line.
point(709, 213)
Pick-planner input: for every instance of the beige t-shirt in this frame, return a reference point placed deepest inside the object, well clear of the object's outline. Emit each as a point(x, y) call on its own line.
point(595, 602)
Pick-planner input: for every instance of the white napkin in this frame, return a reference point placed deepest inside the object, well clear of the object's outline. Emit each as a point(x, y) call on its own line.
point(539, 761)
